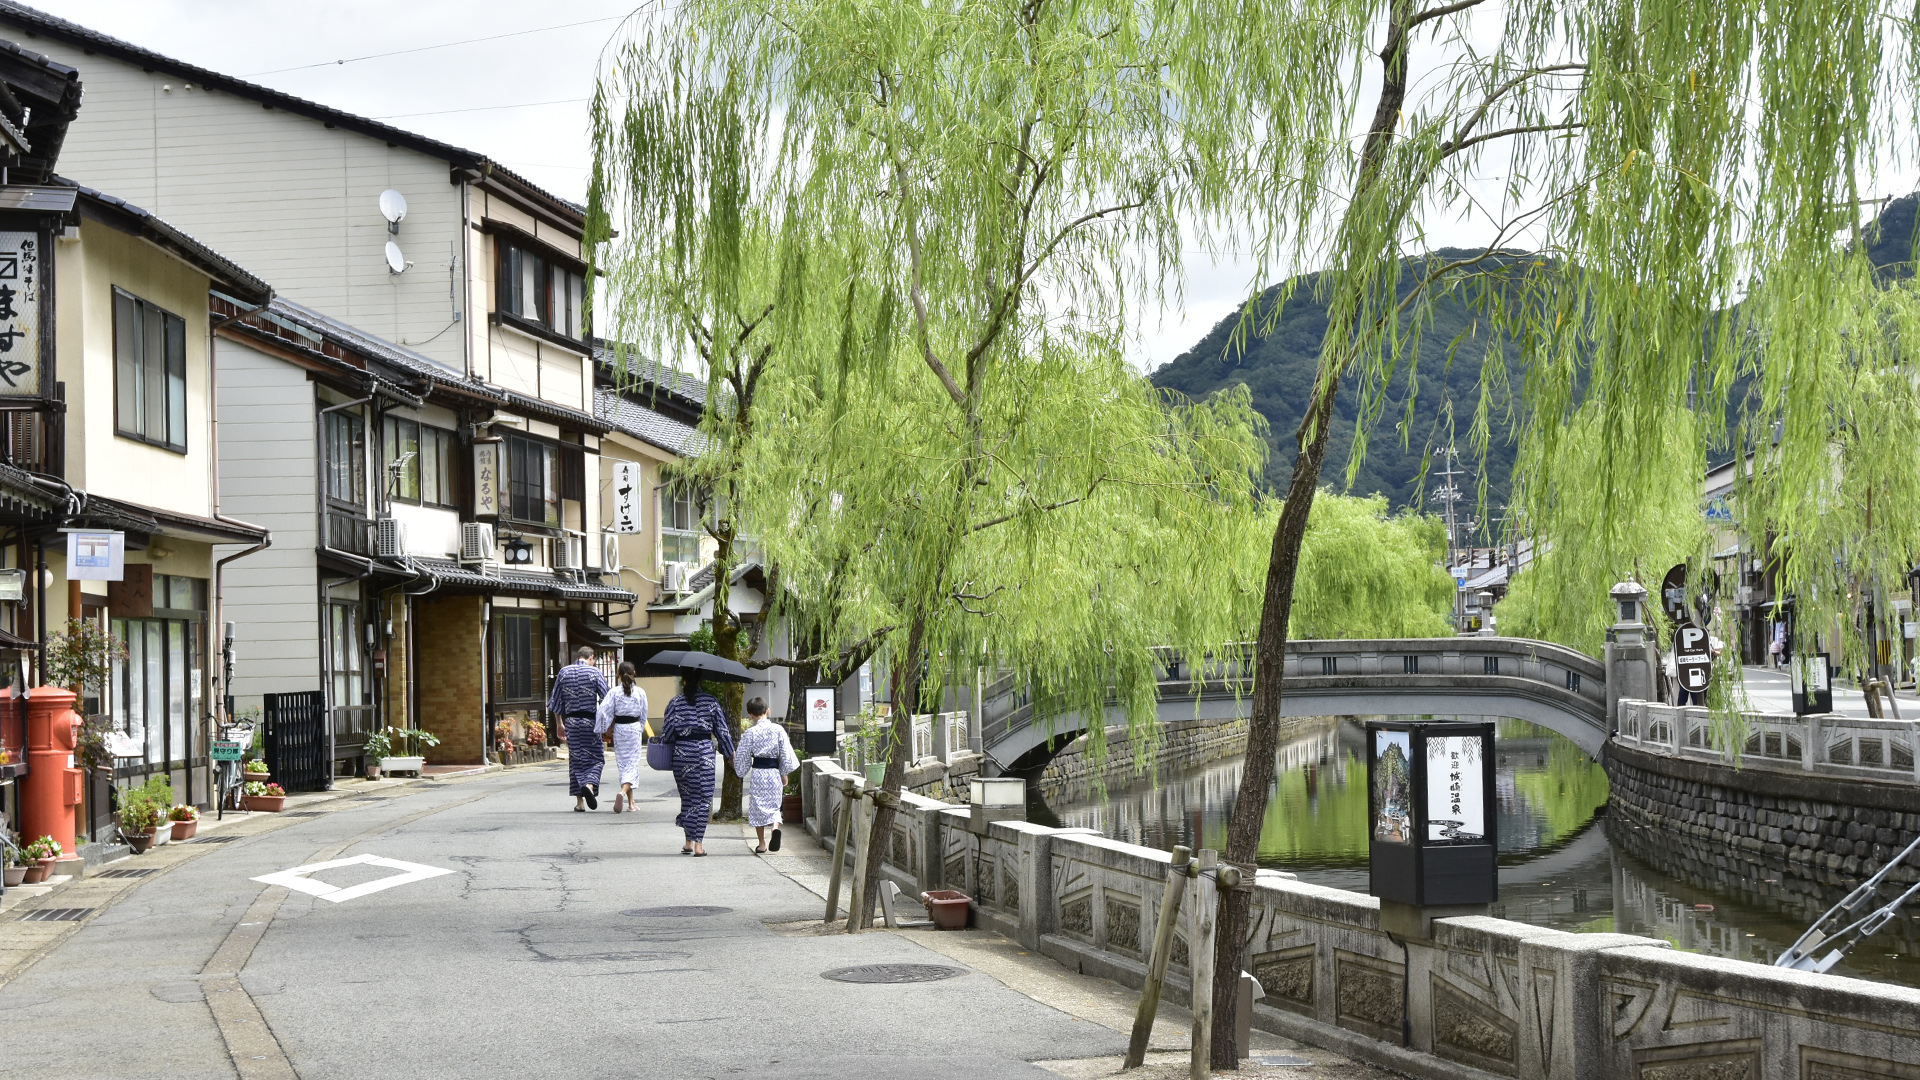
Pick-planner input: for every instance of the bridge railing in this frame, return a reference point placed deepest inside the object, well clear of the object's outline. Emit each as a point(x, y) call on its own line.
point(1825, 745)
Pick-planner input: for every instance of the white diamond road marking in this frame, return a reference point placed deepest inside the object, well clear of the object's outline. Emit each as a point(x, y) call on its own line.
point(297, 879)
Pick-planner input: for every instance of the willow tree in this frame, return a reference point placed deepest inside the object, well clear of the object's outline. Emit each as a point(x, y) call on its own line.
point(703, 265)
point(1665, 158)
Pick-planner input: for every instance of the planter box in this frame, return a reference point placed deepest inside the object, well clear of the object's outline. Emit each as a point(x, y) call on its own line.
point(262, 777)
point(268, 803)
point(16, 875)
point(391, 765)
point(184, 830)
point(790, 809)
point(37, 872)
point(138, 843)
point(948, 907)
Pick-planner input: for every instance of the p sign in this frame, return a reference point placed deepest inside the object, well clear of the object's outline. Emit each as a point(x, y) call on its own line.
point(1692, 658)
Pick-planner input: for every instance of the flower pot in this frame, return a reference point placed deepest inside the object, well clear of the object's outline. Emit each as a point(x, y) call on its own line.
point(948, 908)
point(790, 809)
point(412, 764)
point(262, 777)
point(35, 872)
point(16, 875)
point(184, 830)
point(373, 772)
point(268, 803)
point(139, 842)
point(876, 775)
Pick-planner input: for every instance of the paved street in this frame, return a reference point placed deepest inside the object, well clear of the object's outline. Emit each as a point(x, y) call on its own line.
point(524, 962)
point(1772, 691)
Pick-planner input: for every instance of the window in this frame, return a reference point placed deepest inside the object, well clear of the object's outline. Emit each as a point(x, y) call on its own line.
point(537, 287)
point(533, 491)
point(419, 461)
point(522, 658)
point(679, 527)
point(155, 691)
point(149, 373)
point(346, 459)
point(345, 652)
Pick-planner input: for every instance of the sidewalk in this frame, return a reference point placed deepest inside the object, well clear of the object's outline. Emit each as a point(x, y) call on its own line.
point(1100, 1002)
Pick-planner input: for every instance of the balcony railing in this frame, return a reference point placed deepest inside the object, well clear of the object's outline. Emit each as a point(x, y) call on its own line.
point(349, 532)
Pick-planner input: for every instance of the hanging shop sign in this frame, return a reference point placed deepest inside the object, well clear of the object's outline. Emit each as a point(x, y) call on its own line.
point(21, 287)
point(1433, 837)
point(1692, 658)
point(96, 556)
point(626, 496)
point(820, 715)
point(486, 479)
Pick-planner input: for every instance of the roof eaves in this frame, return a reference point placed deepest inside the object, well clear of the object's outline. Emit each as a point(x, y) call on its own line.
point(153, 227)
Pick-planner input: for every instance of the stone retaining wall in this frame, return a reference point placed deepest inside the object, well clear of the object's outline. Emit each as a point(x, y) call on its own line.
point(1478, 998)
point(1172, 745)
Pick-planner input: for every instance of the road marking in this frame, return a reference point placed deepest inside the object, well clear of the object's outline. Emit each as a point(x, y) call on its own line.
point(297, 879)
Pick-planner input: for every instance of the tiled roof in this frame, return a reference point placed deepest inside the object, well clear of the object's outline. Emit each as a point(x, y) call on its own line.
point(155, 228)
point(521, 582)
point(633, 418)
point(651, 373)
point(95, 41)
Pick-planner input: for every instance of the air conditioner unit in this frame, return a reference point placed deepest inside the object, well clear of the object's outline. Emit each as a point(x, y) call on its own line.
point(389, 538)
point(476, 542)
point(565, 555)
point(673, 578)
point(610, 552)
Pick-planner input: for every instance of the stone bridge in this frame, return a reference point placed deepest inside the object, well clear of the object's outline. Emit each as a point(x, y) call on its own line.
point(1550, 685)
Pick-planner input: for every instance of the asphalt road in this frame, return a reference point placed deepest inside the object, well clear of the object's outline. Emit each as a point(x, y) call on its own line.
point(1772, 691)
point(524, 961)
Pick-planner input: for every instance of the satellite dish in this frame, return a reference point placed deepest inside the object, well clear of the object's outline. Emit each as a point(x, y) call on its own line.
point(396, 262)
point(393, 206)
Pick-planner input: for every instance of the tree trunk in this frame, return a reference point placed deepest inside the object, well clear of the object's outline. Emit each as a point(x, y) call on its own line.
point(1283, 564)
point(726, 642)
point(906, 696)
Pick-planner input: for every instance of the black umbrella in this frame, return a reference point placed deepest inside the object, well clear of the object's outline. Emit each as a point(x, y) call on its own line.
point(708, 666)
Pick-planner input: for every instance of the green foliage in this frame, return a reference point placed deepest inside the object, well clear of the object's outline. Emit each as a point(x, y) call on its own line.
point(44, 848)
point(145, 808)
point(1365, 573)
point(81, 655)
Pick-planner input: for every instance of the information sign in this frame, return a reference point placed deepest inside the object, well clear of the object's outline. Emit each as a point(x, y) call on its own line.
point(821, 715)
point(1692, 658)
point(226, 751)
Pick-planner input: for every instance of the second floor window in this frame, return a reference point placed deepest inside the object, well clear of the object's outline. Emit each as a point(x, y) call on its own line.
point(346, 459)
point(149, 372)
point(538, 288)
point(419, 461)
point(533, 494)
point(679, 528)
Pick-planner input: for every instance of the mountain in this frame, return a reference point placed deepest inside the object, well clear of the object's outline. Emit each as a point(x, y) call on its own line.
point(1278, 368)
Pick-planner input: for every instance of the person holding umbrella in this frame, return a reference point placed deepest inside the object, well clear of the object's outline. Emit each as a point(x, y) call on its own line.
point(695, 725)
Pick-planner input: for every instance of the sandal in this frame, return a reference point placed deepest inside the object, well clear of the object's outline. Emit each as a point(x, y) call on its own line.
point(760, 850)
point(579, 809)
point(699, 854)
point(592, 803)
point(616, 804)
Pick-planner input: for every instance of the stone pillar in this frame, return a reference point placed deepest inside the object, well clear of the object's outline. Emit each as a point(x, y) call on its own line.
point(1566, 1017)
point(1631, 657)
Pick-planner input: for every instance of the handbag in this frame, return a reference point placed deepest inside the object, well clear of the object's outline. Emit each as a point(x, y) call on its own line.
point(660, 754)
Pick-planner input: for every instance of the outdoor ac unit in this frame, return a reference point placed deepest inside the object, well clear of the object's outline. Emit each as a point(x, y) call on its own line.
point(674, 578)
point(476, 542)
point(389, 538)
point(565, 555)
point(610, 552)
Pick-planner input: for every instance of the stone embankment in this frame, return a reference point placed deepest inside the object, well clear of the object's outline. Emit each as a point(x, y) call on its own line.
point(1171, 746)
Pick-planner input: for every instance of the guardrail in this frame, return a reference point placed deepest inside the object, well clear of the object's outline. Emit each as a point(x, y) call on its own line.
point(1825, 744)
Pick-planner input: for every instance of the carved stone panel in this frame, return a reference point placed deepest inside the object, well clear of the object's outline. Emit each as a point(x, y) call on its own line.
point(1287, 976)
point(986, 876)
point(902, 855)
point(1123, 922)
point(1010, 885)
point(1181, 957)
point(1629, 1000)
point(1730, 1059)
point(1076, 915)
point(954, 872)
point(1369, 994)
point(1817, 1063)
point(1472, 1032)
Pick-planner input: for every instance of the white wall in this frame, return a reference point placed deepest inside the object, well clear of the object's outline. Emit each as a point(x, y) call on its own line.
point(267, 418)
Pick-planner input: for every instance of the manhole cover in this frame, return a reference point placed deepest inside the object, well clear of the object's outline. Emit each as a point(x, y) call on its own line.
point(129, 871)
point(676, 912)
point(892, 973)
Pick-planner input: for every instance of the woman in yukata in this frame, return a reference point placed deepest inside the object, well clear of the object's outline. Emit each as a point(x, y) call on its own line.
point(695, 724)
point(764, 759)
point(624, 709)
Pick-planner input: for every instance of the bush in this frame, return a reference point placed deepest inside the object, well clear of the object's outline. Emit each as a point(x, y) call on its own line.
point(145, 807)
point(44, 848)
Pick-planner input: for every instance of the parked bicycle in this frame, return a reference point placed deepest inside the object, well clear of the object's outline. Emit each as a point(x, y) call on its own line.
point(228, 750)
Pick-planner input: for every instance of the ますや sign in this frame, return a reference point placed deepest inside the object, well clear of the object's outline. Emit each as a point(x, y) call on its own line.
point(20, 288)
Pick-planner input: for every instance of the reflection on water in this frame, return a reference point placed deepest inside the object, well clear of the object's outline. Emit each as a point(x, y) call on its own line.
point(1559, 866)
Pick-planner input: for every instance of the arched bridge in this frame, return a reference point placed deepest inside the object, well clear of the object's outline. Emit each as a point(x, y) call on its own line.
point(1550, 685)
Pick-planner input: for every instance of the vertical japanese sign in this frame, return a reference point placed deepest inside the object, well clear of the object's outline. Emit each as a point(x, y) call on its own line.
point(626, 496)
point(20, 273)
point(1456, 810)
point(486, 479)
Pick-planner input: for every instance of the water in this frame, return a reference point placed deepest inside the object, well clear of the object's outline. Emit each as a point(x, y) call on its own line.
point(1563, 864)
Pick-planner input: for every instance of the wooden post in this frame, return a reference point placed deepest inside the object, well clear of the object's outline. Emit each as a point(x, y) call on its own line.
point(1158, 960)
point(1206, 904)
point(861, 919)
point(840, 848)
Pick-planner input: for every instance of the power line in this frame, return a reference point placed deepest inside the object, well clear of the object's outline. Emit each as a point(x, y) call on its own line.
point(483, 108)
point(430, 48)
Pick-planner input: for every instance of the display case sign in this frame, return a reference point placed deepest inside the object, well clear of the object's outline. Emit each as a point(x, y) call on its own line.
point(1456, 812)
point(1430, 798)
point(626, 496)
point(1392, 788)
point(20, 287)
point(821, 715)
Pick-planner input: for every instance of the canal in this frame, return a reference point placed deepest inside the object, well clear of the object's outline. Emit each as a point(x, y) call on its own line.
point(1560, 863)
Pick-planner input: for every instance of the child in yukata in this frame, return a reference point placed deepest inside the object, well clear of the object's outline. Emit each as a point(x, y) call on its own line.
point(764, 758)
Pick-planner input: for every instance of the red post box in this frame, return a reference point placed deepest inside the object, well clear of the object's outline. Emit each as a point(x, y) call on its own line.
point(50, 792)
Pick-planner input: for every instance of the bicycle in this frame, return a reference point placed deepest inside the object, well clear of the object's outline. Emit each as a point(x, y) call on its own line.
point(229, 781)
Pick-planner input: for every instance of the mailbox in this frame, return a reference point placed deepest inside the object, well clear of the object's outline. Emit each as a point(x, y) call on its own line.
point(1432, 839)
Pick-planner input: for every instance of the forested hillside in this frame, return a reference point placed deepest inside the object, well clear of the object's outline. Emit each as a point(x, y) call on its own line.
point(1278, 369)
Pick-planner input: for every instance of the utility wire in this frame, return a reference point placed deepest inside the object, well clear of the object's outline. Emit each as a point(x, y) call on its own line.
point(430, 48)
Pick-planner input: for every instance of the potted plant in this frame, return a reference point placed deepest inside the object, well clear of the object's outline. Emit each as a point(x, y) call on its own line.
point(258, 770)
point(16, 870)
point(536, 735)
point(186, 822)
point(40, 857)
point(267, 797)
point(397, 738)
point(138, 819)
point(376, 752)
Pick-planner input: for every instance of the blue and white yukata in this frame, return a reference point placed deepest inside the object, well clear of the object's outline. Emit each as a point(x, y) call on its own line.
point(764, 759)
point(693, 728)
point(626, 714)
point(577, 691)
